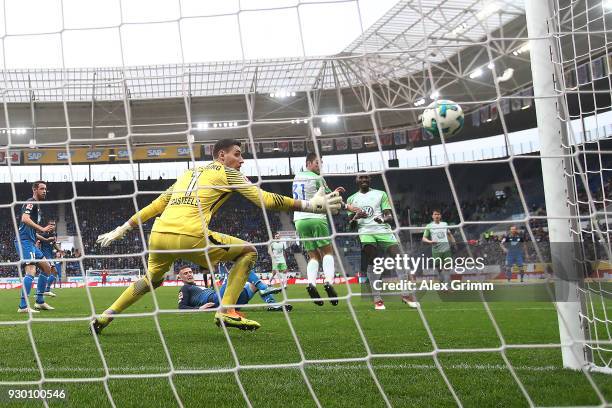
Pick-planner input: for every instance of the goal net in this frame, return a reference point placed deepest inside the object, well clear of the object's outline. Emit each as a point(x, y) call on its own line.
point(583, 109)
point(171, 78)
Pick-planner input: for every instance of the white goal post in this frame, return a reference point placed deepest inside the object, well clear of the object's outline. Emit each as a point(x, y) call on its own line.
point(559, 179)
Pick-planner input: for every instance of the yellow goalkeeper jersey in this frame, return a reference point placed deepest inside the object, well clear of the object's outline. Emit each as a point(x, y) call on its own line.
point(189, 204)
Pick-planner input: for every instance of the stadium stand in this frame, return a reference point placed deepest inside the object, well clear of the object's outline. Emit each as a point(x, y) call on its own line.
point(489, 202)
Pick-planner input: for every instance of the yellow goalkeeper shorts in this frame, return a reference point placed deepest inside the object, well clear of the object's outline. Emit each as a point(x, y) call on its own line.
point(203, 251)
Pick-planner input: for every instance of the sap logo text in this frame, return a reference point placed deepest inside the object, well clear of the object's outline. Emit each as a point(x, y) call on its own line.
point(95, 155)
point(122, 154)
point(63, 156)
point(155, 152)
point(35, 156)
point(182, 151)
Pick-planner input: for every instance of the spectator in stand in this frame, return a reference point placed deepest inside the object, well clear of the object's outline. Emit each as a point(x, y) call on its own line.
point(247, 222)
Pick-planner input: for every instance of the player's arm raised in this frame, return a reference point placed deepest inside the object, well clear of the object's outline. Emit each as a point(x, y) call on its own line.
point(155, 208)
point(319, 203)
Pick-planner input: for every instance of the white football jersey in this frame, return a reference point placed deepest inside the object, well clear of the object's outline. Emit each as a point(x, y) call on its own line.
point(305, 186)
point(278, 254)
point(373, 203)
point(439, 234)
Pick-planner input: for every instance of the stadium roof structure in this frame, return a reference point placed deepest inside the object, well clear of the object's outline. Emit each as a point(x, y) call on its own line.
point(387, 68)
point(398, 45)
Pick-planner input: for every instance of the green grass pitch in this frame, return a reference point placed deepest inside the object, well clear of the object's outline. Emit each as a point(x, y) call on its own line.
point(395, 337)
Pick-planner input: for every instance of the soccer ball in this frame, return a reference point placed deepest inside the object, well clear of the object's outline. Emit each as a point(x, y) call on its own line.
point(447, 114)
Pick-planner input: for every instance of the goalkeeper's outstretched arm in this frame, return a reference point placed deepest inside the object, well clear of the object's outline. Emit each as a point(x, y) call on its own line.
point(319, 203)
point(155, 208)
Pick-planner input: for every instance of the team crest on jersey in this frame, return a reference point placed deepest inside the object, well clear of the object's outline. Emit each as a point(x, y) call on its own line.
point(368, 210)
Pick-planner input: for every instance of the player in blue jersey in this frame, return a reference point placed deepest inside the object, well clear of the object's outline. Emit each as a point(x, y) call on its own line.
point(58, 267)
point(192, 296)
point(48, 242)
point(514, 247)
point(32, 257)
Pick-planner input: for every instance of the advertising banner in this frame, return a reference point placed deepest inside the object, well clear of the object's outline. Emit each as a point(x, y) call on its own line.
point(62, 156)
point(14, 156)
point(181, 152)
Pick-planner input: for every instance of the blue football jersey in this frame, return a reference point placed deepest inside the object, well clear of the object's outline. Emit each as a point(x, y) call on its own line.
point(32, 208)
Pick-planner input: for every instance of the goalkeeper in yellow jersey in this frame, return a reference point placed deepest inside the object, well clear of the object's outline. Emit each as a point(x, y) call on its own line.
point(181, 230)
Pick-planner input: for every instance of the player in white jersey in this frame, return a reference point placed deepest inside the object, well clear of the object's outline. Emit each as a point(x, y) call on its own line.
point(372, 223)
point(279, 262)
point(314, 231)
point(438, 235)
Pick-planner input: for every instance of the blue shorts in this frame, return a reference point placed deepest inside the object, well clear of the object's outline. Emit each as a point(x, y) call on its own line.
point(514, 259)
point(243, 299)
point(245, 295)
point(28, 252)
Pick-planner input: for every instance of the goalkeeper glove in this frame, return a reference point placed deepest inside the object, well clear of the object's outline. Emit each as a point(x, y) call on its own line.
point(321, 202)
point(118, 233)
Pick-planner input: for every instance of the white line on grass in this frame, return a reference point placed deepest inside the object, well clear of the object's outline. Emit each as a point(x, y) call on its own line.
point(428, 310)
point(329, 367)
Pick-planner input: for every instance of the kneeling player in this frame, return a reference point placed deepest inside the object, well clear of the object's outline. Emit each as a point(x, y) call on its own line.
point(195, 297)
point(372, 223)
